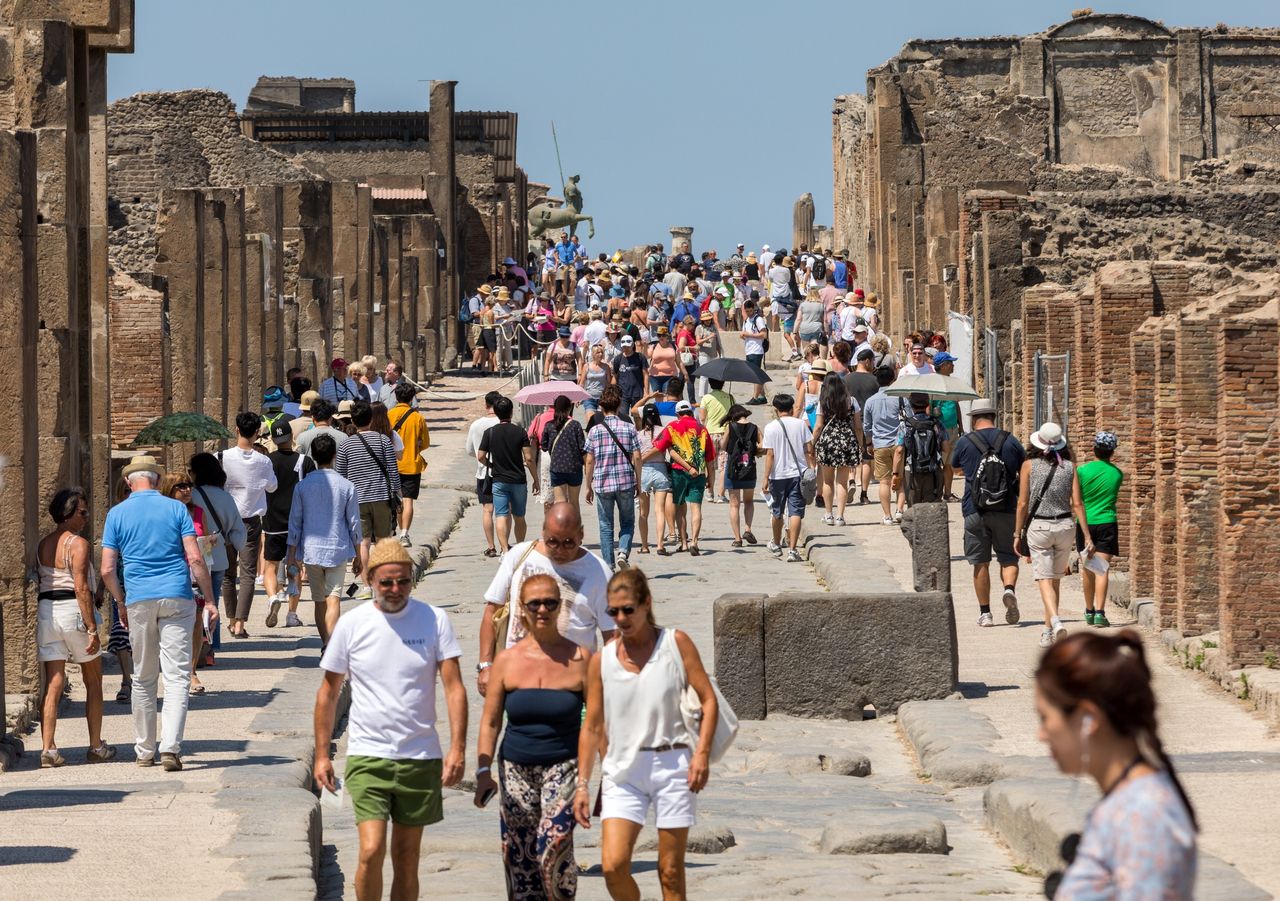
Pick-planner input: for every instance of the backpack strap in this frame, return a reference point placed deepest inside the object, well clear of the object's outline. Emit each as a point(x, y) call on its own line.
point(981, 444)
point(396, 427)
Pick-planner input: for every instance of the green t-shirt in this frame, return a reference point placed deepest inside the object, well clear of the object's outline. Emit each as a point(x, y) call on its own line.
point(947, 412)
point(715, 408)
point(1099, 486)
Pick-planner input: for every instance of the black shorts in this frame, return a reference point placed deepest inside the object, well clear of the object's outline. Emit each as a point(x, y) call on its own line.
point(275, 546)
point(410, 486)
point(1106, 538)
point(484, 491)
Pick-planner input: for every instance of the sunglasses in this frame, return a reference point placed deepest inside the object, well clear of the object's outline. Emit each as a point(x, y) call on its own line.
point(399, 583)
point(183, 486)
point(547, 604)
point(629, 610)
point(560, 542)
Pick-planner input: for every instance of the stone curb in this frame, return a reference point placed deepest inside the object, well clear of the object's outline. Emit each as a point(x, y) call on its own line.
point(953, 745)
point(833, 561)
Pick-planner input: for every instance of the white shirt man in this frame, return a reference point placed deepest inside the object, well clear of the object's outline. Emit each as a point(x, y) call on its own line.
point(593, 334)
point(484, 488)
point(766, 258)
point(917, 363)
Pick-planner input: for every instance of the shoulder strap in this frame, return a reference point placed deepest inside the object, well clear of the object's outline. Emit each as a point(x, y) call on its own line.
point(385, 474)
point(208, 505)
point(1000, 439)
point(980, 443)
point(406, 415)
point(1035, 504)
point(605, 422)
point(515, 569)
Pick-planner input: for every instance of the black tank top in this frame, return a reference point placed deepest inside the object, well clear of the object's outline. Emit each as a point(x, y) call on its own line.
point(542, 725)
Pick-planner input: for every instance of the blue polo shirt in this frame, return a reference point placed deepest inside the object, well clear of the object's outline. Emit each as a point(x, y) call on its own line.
point(146, 530)
point(565, 251)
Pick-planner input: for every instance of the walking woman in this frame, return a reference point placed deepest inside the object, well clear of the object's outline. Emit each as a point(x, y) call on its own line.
point(650, 758)
point(836, 444)
point(687, 344)
point(655, 481)
point(538, 685)
point(564, 442)
point(709, 347)
point(664, 361)
point(595, 377)
point(221, 518)
point(561, 363)
point(741, 448)
point(1098, 716)
point(1048, 496)
point(1100, 482)
point(177, 485)
point(66, 628)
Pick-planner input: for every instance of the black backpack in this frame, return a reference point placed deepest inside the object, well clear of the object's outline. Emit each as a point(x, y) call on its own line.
point(991, 483)
point(819, 268)
point(923, 449)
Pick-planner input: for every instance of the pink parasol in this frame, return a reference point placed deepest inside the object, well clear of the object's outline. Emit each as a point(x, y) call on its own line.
point(544, 394)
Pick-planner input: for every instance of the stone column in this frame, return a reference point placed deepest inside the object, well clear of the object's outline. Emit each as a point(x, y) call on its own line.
point(802, 214)
point(681, 238)
point(443, 189)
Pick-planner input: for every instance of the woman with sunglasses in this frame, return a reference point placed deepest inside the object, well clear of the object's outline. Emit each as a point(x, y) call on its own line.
point(651, 758)
point(538, 685)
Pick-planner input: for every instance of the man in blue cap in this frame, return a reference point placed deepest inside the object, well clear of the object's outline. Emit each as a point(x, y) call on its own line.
point(273, 400)
point(947, 412)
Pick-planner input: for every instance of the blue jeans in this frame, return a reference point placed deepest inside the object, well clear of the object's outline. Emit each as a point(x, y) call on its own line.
point(625, 501)
point(510, 499)
point(658, 382)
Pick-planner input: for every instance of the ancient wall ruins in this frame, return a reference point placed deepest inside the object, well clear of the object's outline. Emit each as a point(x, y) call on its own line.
point(1108, 189)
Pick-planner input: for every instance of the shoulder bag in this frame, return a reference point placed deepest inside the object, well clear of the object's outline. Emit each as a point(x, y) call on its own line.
point(691, 712)
point(393, 499)
point(502, 616)
point(808, 475)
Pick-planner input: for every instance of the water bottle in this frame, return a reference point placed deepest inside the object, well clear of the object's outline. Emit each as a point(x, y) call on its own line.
point(292, 588)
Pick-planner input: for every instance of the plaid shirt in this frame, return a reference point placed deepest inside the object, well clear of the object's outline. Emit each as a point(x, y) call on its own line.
point(614, 470)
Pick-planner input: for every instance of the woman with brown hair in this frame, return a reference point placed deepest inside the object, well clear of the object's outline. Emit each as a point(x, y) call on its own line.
point(537, 685)
point(1098, 716)
point(381, 423)
point(178, 485)
point(634, 719)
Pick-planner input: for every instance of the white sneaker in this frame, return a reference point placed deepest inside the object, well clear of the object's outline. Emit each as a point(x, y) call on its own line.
point(257, 580)
point(888, 520)
point(840, 521)
point(273, 615)
point(621, 562)
point(1059, 630)
point(793, 556)
point(775, 549)
point(1011, 615)
point(897, 517)
point(292, 620)
point(986, 621)
point(829, 520)
point(1046, 638)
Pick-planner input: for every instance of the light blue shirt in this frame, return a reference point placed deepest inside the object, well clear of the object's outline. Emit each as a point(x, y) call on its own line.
point(337, 390)
point(880, 419)
point(146, 530)
point(324, 521)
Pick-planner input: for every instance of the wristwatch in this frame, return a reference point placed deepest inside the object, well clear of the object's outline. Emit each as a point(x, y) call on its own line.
point(484, 665)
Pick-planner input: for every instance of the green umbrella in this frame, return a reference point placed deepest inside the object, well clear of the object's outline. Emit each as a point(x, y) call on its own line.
point(179, 427)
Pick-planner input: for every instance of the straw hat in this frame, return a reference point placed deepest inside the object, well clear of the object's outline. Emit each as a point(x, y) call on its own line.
point(871, 301)
point(388, 550)
point(504, 293)
point(818, 370)
point(485, 290)
point(143, 463)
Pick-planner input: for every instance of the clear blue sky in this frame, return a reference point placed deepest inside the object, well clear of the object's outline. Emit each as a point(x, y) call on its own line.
point(710, 113)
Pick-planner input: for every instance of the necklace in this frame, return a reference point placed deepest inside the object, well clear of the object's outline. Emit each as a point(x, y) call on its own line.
point(1123, 775)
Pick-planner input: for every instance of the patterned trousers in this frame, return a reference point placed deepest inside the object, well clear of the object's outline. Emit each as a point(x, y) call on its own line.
point(537, 830)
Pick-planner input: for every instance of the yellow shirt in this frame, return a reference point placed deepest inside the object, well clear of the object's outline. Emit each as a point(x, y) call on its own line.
point(415, 436)
point(715, 410)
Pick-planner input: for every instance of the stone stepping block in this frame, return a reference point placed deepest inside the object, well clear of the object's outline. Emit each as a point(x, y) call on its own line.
point(886, 832)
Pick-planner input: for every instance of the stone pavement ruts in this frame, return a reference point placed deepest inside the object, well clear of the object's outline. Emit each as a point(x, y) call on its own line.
point(770, 790)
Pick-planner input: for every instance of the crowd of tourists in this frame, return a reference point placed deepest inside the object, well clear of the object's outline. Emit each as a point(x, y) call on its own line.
point(573, 666)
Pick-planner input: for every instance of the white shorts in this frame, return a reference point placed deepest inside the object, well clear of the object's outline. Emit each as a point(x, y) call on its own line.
point(60, 634)
point(325, 581)
point(659, 780)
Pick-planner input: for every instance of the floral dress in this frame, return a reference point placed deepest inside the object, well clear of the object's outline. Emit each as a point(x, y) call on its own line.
point(837, 443)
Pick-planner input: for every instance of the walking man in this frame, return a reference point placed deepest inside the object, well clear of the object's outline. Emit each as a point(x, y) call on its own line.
point(612, 473)
point(991, 460)
point(391, 651)
point(290, 467)
point(506, 452)
point(411, 426)
point(155, 539)
point(484, 477)
point(692, 469)
point(322, 412)
point(368, 460)
point(755, 331)
point(250, 476)
point(788, 452)
point(324, 533)
point(880, 424)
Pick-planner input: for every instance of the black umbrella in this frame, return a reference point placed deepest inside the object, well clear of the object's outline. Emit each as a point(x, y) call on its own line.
point(727, 369)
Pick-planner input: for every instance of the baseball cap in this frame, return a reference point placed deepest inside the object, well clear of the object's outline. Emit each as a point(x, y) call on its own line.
point(866, 353)
point(337, 363)
point(726, 273)
point(344, 407)
point(308, 398)
point(741, 245)
point(627, 341)
point(860, 328)
point(563, 331)
point(684, 407)
point(281, 431)
point(943, 357)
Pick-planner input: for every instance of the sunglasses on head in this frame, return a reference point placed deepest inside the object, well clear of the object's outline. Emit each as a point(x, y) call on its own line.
point(628, 609)
point(547, 604)
point(400, 583)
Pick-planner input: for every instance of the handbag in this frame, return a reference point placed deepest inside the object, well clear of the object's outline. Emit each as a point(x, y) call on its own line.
point(502, 616)
point(691, 713)
point(809, 475)
point(393, 499)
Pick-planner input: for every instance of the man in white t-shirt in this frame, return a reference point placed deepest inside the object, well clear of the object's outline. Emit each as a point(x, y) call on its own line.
point(766, 258)
point(917, 363)
point(755, 331)
point(583, 578)
point(593, 334)
point(391, 650)
point(788, 451)
point(484, 485)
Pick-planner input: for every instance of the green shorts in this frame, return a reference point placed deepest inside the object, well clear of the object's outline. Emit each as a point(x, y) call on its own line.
point(685, 488)
point(405, 791)
point(375, 521)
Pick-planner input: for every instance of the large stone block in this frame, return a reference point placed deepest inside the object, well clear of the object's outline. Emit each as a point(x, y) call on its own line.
point(927, 530)
point(831, 655)
point(739, 643)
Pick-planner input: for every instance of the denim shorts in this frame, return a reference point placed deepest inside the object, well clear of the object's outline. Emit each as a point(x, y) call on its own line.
point(510, 499)
point(654, 479)
point(785, 497)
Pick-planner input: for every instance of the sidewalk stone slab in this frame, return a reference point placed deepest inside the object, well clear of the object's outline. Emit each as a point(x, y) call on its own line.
point(886, 832)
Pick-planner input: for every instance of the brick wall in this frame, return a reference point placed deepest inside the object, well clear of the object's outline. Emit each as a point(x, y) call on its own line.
point(1138, 528)
point(137, 357)
point(1166, 426)
point(1249, 442)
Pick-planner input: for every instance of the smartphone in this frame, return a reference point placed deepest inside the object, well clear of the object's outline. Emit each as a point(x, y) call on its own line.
point(488, 796)
point(352, 589)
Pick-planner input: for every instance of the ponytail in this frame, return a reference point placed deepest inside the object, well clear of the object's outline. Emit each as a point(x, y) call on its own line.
point(1153, 752)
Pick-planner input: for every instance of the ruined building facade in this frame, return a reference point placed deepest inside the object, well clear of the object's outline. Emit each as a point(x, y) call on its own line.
point(1108, 189)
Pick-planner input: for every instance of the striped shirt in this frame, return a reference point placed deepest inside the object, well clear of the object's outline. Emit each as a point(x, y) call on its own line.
point(357, 465)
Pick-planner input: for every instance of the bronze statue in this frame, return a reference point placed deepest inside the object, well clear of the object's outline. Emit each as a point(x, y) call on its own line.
point(545, 216)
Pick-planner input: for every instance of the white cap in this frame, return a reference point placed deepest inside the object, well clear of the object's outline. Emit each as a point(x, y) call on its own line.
point(766, 247)
point(740, 244)
point(684, 407)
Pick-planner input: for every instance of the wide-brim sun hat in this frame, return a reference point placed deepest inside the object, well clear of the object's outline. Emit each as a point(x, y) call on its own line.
point(1049, 437)
point(143, 463)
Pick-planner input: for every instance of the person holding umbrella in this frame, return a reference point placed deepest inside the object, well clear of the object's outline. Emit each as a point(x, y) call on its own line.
point(947, 412)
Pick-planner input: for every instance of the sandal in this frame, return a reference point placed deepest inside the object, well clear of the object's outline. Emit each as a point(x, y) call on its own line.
point(750, 539)
point(491, 552)
point(663, 552)
point(693, 551)
point(197, 689)
point(125, 693)
point(645, 549)
point(737, 542)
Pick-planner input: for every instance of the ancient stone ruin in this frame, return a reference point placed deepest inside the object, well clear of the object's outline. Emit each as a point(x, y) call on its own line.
point(169, 253)
point(1107, 189)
